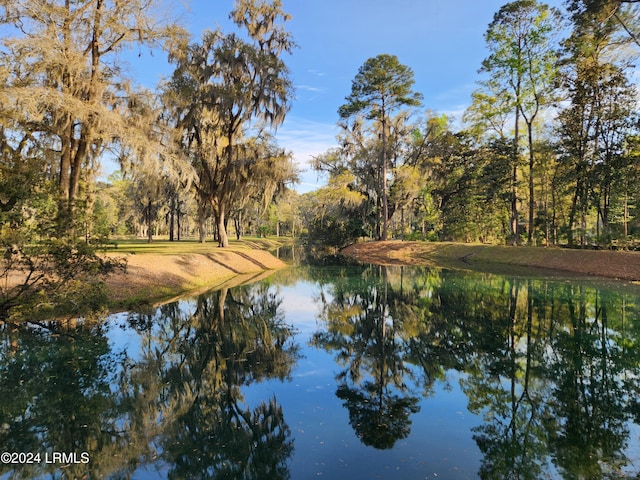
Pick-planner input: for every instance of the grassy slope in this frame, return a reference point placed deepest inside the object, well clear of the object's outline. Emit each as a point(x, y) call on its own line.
point(163, 270)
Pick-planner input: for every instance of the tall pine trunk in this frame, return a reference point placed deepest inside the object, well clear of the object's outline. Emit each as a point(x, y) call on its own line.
point(385, 198)
point(514, 181)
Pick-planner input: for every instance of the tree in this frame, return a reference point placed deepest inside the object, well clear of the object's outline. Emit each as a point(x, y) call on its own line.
point(225, 88)
point(113, 195)
point(404, 191)
point(522, 61)
point(381, 86)
point(489, 112)
point(623, 13)
point(287, 211)
point(594, 128)
point(369, 341)
point(593, 134)
point(269, 176)
point(334, 214)
point(147, 195)
point(617, 123)
point(64, 90)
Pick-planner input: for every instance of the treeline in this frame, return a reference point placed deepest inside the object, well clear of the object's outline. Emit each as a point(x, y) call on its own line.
point(201, 144)
point(203, 135)
point(123, 207)
point(547, 153)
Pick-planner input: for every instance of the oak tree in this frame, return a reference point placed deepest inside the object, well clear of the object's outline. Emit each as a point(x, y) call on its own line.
point(225, 92)
point(65, 92)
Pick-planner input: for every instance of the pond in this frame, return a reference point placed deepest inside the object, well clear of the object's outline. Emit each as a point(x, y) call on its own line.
point(355, 372)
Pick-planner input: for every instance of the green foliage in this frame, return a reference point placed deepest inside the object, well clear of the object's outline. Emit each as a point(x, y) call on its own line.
point(596, 131)
point(335, 230)
point(43, 272)
point(335, 214)
point(178, 401)
point(43, 277)
point(383, 85)
point(66, 101)
point(223, 87)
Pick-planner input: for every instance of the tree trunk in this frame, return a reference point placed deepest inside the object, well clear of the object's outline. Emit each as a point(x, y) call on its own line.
point(66, 131)
point(385, 199)
point(149, 222)
point(554, 219)
point(606, 209)
point(223, 240)
point(172, 217)
point(202, 229)
point(572, 215)
point(221, 301)
point(63, 181)
point(76, 168)
point(625, 215)
point(532, 203)
point(178, 226)
point(583, 226)
point(238, 225)
point(514, 182)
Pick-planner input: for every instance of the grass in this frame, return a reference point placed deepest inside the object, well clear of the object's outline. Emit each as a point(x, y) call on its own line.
point(163, 246)
point(162, 269)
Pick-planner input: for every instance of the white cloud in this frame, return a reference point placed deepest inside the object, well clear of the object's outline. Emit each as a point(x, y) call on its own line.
point(309, 88)
point(455, 114)
point(306, 139)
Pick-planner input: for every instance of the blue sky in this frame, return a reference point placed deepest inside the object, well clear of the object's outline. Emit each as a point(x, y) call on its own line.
point(441, 40)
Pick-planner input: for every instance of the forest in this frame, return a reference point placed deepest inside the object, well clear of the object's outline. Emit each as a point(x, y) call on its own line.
point(547, 152)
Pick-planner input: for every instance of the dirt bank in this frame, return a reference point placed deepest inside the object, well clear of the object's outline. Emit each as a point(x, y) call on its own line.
point(153, 278)
point(599, 263)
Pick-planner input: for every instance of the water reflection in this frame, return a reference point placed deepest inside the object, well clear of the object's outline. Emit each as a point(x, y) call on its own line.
point(550, 367)
point(366, 338)
point(549, 370)
point(175, 406)
point(56, 394)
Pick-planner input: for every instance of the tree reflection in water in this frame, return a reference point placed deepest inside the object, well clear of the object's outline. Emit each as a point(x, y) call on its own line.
point(365, 338)
point(54, 378)
point(550, 370)
point(198, 362)
point(178, 404)
point(550, 366)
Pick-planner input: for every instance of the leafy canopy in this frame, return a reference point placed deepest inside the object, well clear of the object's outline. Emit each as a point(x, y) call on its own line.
point(381, 84)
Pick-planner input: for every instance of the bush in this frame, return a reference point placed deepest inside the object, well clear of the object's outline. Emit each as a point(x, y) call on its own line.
point(44, 269)
point(50, 277)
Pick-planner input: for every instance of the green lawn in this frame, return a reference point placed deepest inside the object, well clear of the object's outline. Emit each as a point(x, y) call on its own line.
point(163, 246)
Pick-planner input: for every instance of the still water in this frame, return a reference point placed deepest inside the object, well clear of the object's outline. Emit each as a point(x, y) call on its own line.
point(358, 372)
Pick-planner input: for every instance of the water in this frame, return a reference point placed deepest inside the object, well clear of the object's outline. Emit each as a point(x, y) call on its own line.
point(357, 372)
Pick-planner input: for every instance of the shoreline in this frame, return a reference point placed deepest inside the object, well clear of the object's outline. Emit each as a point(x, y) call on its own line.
point(605, 264)
point(152, 279)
